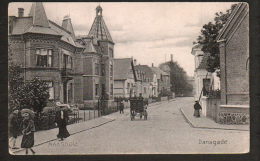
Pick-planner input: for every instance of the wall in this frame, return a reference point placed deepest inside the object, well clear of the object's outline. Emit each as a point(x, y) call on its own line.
point(237, 76)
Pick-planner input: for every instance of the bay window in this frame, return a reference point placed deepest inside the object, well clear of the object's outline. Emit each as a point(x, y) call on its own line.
point(44, 57)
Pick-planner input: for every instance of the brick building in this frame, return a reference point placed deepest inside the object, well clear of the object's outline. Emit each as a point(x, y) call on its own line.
point(78, 70)
point(97, 61)
point(233, 42)
point(48, 51)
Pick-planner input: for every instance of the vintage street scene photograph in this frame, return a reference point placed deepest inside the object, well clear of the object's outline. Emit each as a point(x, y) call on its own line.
point(90, 78)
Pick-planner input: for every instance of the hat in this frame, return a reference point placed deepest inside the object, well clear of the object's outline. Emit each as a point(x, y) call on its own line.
point(25, 114)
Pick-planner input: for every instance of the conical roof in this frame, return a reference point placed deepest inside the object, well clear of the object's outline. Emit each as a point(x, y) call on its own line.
point(99, 29)
point(66, 24)
point(39, 16)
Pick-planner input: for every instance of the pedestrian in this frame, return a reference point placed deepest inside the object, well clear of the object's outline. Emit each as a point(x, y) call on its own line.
point(28, 130)
point(197, 109)
point(121, 107)
point(13, 128)
point(168, 97)
point(62, 119)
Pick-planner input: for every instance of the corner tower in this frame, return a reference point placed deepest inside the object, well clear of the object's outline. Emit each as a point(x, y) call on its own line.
point(104, 44)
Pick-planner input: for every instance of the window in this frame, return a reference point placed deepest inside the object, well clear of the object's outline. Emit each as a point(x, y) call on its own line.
point(128, 87)
point(103, 71)
point(111, 53)
point(51, 90)
point(96, 68)
point(206, 86)
point(111, 69)
point(44, 57)
point(67, 61)
point(111, 89)
point(96, 89)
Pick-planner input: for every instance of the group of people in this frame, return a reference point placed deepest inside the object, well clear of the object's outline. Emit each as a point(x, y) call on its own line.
point(23, 123)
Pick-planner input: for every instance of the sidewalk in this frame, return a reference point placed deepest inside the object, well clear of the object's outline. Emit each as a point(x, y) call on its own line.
point(207, 123)
point(41, 137)
point(45, 136)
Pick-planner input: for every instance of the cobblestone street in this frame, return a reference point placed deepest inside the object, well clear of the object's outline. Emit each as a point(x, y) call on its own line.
point(165, 132)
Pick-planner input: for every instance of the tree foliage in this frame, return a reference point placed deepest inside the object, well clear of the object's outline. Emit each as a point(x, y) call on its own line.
point(178, 77)
point(207, 39)
point(32, 94)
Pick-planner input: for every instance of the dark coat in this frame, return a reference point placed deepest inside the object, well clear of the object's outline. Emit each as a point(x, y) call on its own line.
point(197, 106)
point(13, 125)
point(28, 134)
point(62, 123)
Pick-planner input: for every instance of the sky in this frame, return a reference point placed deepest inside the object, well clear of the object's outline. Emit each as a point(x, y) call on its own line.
point(148, 32)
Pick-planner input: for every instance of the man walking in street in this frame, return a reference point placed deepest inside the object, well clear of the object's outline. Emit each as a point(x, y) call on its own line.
point(121, 107)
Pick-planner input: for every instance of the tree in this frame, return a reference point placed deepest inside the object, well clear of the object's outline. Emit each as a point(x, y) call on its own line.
point(207, 39)
point(178, 77)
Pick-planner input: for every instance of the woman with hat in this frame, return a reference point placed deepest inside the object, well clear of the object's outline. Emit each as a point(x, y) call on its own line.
point(28, 129)
point(197, 109)
point(61, 120)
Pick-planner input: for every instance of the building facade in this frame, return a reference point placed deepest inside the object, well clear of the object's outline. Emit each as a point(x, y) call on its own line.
point(124, 78)
point(77, 69)
point(149, 86)
point(48, 51)
point(233, 42)
point(202, 78)
point(98, 61)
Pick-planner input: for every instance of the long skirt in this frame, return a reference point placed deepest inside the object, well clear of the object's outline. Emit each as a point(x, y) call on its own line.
point(196, 113)
point(63, 132)
point(28, 140)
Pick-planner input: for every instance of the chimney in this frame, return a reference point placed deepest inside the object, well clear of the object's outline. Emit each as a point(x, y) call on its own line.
point(134, 62)
point(171, 58)
point(152, 64)
point(20, 12)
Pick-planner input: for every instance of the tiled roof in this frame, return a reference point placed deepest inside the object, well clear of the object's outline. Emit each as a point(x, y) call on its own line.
point(146, 69)
point(39, 16)
point(66, 36)
point(41, 30)
point(121, 68)
point(21, 25)
point(66, 24)
point(99, 29)
point(158, 72)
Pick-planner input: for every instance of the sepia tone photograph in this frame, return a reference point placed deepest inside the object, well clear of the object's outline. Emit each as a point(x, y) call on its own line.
point(91, 78)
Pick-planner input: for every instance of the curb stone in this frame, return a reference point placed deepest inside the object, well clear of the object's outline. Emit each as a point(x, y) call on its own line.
point(202, 127)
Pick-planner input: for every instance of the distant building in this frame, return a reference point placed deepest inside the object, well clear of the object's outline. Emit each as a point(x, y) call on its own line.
point(148, 81)
point(202, 78)
point(234, 63)
point(124, 78)
point(163, 79)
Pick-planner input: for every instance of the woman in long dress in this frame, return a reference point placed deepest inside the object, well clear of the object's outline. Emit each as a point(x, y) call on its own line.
point(28, 133)
point(61, 120)
point(197, 109)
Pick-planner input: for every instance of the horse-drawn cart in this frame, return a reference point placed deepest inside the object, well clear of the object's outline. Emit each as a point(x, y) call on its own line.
point(138, 106)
